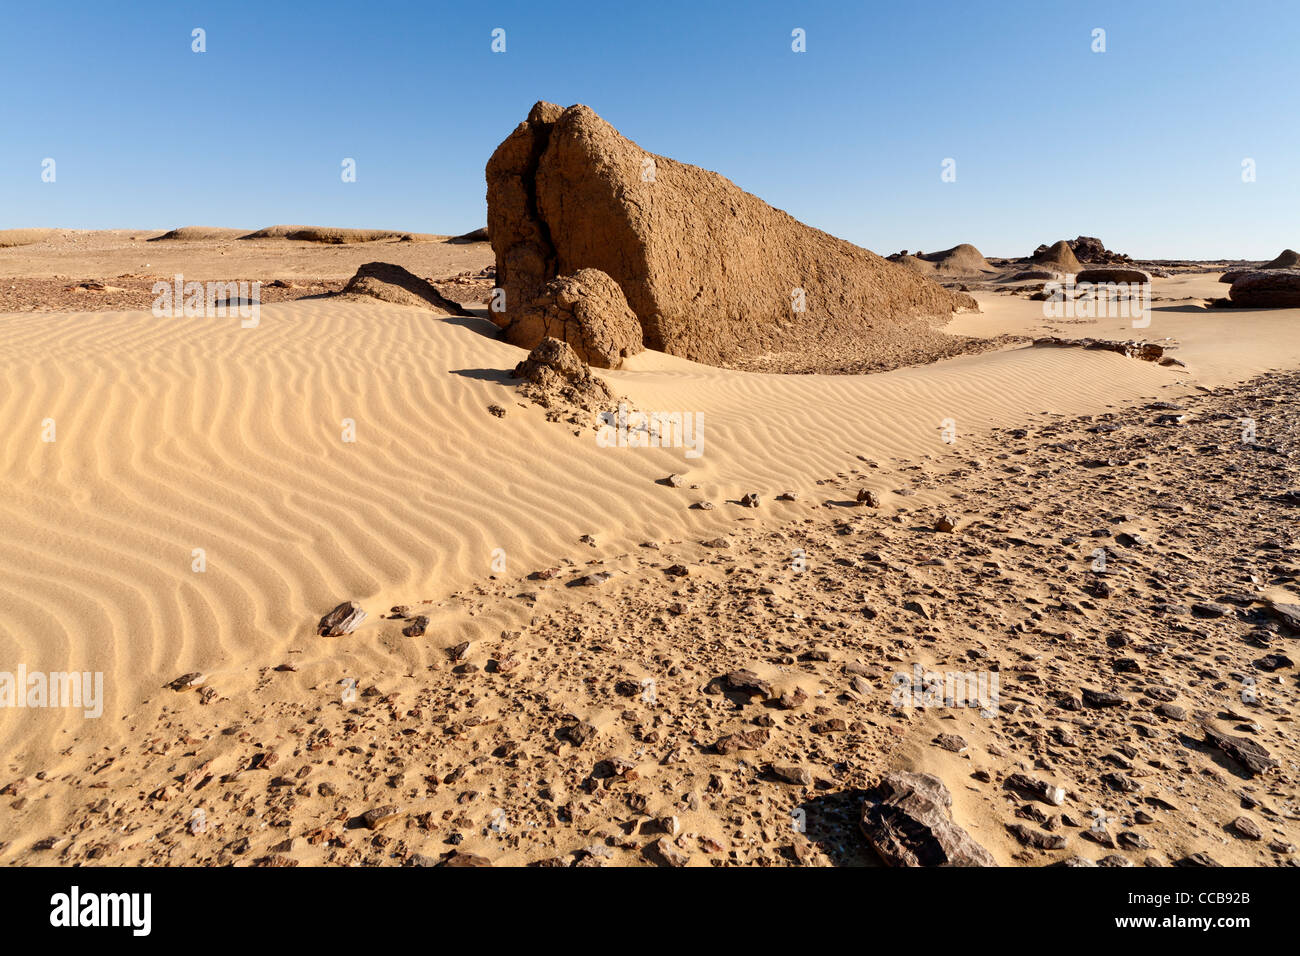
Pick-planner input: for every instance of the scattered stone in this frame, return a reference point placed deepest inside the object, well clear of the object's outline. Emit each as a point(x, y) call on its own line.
point(1247, 829)
point(379, 816)
point(1040, 839)
point(1247, 753)
point(187, 682)
point(344, 619)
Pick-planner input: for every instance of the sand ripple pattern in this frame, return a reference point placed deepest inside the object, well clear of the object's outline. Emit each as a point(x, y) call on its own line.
point(182, 434)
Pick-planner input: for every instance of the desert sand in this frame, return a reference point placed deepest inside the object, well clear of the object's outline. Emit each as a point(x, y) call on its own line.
point(183, 434)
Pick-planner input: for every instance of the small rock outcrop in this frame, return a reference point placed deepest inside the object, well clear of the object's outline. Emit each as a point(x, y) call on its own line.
point(555, 378)
point(907, 818)
point(1267, 288)
point(477, 235)
point(1091, 250)
point(392, 283)
point(586, 310)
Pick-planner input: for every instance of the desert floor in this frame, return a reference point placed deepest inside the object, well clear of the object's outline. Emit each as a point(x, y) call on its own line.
point(517, 727)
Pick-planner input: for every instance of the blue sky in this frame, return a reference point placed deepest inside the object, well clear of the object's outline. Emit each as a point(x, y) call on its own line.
point(1141, 145)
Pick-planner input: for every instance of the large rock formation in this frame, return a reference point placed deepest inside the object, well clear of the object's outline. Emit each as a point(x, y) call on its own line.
point(711, 272)
point(587, 310)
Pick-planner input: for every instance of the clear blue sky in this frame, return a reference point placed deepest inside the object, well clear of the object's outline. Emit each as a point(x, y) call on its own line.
point(1141, 145)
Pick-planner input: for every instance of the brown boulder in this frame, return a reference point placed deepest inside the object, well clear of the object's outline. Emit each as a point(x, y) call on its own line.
point(587, 310)
point(712, 273)
point(906, 817)
point(392, 283)
point(1273, 288)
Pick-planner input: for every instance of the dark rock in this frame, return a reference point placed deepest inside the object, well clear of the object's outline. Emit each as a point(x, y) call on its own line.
point(907, 819)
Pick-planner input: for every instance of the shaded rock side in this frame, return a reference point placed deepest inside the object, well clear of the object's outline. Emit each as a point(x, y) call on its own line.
point(710, 271)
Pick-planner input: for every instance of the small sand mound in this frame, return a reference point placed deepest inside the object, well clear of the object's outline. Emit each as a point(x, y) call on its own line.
point(389, 283)
point(335, 236)
point(1058, 257)
point(588, 311)
point(199, 234)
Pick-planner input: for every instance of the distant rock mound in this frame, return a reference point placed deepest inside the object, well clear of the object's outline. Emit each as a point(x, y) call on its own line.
point(1288, 259)
point(963, 259)
point(960, 260)
point(588, 311)
point(1058, 257)
point(1267, 289)
point(478, 235)
point(334, 236)
point(391, 283)
point(199, 234)
point(1029, 275)
point(711, 272)
point(1091, 250)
